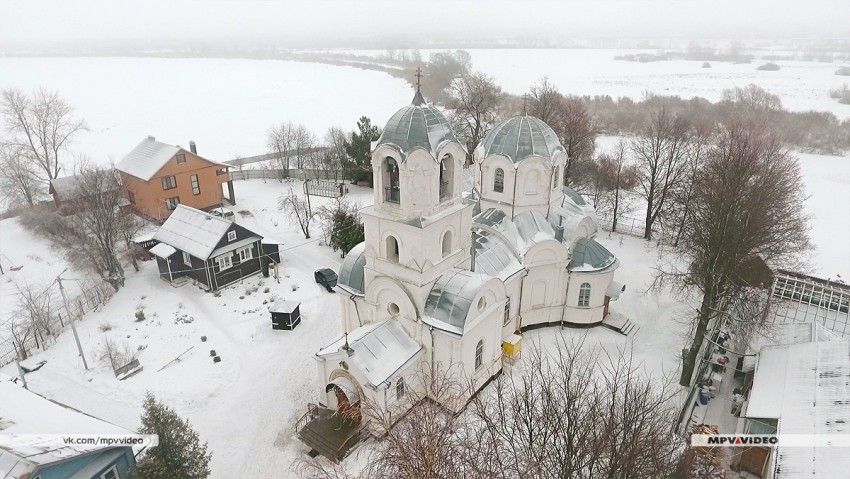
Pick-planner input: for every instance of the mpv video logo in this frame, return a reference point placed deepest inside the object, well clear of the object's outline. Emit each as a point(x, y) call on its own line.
point(770, 440)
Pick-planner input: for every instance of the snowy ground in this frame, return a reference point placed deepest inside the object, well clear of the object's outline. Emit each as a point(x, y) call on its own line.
point(246, 405)
point(225, 106)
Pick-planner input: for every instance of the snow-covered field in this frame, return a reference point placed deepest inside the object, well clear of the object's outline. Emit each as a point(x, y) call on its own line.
point(225, 106)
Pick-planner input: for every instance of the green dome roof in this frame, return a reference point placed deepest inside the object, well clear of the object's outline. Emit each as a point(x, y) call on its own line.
point(417, 125)
point(351, 270)
point(520, 137)
point(588, 255)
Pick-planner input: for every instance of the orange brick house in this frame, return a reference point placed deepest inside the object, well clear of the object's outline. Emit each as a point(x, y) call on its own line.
point(157, 177)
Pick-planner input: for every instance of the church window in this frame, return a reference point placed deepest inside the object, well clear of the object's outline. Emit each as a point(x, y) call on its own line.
point(482, 303)
point(447, 169)
point(447, 243)
point(399, 388)
point(393, 309)
point(555, 178)
point(479, 355)
point(584, 295)
point(507, 311)
point(392, 249)
point(392, 193)
point(499, 181)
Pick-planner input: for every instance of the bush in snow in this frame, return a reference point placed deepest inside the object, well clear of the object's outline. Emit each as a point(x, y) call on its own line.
point(140, 315)
point(104, 327)
point(768, 67)
point(116, 355)
point(180, 453)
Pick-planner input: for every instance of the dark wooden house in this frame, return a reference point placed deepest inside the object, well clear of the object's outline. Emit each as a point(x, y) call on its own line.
point(211, 250)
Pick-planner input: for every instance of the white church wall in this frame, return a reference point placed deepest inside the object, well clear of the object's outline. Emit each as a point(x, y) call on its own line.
point(513, 290)
point(545, 285)
point(598, 284)
point(533, 177)
point(485, 176)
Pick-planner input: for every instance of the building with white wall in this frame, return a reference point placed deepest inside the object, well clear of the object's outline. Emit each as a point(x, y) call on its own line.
point(443, 279)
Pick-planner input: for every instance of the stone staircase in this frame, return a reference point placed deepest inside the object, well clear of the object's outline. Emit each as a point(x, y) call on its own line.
point(620, 324)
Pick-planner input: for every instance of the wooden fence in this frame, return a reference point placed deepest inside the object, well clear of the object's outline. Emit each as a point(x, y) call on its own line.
point(86, 301)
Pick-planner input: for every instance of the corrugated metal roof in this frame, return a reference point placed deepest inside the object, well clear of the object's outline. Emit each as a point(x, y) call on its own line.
point(588, 255)
point(417, 126)
point(519, 137)
point(147, 158)
point(351, 271)
point(192, 231)
point(451, 297)
point(493, 255)
point(806, 387)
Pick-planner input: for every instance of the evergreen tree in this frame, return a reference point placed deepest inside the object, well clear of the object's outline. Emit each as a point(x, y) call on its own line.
point(180, 454)
point(358, 165)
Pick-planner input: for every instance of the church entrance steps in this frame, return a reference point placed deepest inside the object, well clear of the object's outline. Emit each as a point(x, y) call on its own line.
point(328, 433)
point(619, 323)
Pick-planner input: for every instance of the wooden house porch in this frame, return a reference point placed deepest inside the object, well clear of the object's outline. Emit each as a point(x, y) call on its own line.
point(328, 433)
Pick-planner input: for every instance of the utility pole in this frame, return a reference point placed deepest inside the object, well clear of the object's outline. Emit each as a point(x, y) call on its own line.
point(307, 190)
point(71, 320)
point(20, 369)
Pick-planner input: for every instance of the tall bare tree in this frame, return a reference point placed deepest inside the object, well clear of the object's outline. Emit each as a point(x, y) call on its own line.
point(305, 142)
point(281, 140)
point(575, 127)
point(477, 103)
point(298, 210)
point(335, 139)
point(42, 125)
point(746, 207)
point(18, 182)
point(96, 233)
point(545, 100)
point(683, 190)
point(659, 150)
point(625, 177)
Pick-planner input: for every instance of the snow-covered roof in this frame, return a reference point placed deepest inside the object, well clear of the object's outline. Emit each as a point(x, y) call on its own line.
point(417, 125)
point(380, 350)
point(351, 271)
point(494, 256)
point(519, 137)
point(451, 298)
point(147, 158)
point(193, 231)
point(588, 255)
point(806, 387)
point(29, 423)
point(163, 250)
point(284, 306)
point(533, 227)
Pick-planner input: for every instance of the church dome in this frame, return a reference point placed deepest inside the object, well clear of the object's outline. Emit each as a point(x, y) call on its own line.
point(351, 271)
point(520, 137)
point(417, 125)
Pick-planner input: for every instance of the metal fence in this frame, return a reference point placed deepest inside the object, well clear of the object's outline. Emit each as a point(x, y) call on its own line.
point(280, 174)
point(89, 299)
point(808, 299)
point(625, 225)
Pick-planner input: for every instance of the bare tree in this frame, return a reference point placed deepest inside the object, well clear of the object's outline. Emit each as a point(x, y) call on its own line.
point(116, 355)
point(575, 127)
point(335, 140)
point(625, 177)
point(476, 101)
point(304, 142)
point(38, 305)
point(752, 97)
point(683, 190)
point(42, 125)
point(659, 151)
point(97, 230)
point(280, 139)
point(298, 210)
point(19, 184)
point(746, 207)
point(545, 100)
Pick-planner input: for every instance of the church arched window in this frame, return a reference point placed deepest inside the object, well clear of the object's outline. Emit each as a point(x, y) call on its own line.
point(447, 172)
point(479, 355)
point(555, 177)
point(447, 243)
point(499, 181)
point(399, 388)
point(392, 194)
point(584, 295)
point(392, 248)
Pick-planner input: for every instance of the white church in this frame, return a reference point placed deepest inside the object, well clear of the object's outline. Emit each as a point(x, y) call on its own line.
point(453, 280)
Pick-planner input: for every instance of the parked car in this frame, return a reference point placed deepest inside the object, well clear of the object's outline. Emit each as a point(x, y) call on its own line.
point(326, 277)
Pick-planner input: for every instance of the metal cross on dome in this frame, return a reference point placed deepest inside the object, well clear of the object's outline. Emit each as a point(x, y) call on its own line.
point(418, 78)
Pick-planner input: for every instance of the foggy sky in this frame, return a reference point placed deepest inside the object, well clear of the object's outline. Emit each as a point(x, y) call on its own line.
point(338, 22)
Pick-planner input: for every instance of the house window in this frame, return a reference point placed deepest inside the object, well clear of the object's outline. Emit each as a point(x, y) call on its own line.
point(187, 260)
point(111, 473)
point(555, 178)
point(507, 311)
point(245, 253)
point(196, 188)
point(479, 355)
point(499, 181)
point(181, 158)
point(584, 295)
point(231, 236)
point(224, 262)
point(172, 203)
point(169, 182)
point(399, 389)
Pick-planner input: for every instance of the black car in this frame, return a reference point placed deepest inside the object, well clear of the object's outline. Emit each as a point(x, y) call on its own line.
point(326, 277)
